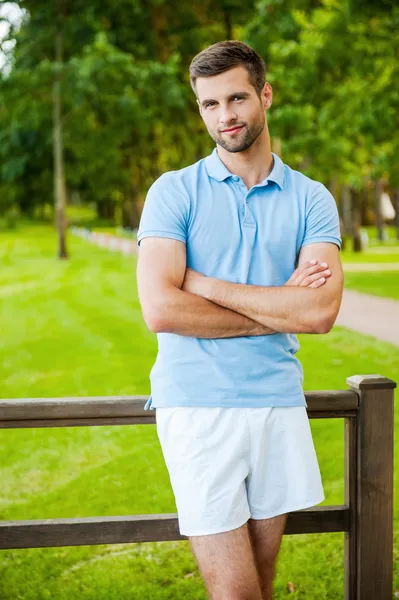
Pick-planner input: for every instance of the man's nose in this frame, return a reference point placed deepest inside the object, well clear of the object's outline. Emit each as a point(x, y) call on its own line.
point(227, 116)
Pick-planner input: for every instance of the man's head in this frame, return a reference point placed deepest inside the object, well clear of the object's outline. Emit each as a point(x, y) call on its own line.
point(228, 79)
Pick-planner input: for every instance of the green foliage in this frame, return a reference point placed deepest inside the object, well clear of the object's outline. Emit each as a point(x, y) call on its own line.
point(111, 107)
point(129, 112)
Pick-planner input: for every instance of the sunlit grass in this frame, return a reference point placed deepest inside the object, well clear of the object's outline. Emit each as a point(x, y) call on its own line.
point(72, 328)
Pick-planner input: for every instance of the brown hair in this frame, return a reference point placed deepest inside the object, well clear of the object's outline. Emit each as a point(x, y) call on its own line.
point(223, 56)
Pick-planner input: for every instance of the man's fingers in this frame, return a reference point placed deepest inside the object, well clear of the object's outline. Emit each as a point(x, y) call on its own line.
point(307, 265)
point(318, 283)
point(311, 278)
point(311, 273)
point(303, 271)
point(309, 270)
point(307, 273)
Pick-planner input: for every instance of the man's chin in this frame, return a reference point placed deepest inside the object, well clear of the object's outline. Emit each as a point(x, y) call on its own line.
point(234, 148)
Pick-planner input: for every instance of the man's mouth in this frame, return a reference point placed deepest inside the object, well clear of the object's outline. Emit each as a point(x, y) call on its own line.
point(233, 130)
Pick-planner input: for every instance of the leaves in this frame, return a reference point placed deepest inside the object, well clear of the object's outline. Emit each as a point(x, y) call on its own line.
point(129, 111)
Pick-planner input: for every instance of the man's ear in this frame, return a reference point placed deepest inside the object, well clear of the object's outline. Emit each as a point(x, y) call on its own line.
point(199, 107)
point(267, 95)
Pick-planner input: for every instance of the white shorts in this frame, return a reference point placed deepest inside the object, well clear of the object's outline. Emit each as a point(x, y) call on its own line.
point(227, 465)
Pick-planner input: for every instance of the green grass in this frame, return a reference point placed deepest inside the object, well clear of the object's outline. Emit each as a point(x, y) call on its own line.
point(380, 254)
point(385, 284)
point(75, 328)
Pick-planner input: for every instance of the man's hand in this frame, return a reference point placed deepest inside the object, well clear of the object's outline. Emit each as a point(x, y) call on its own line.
point(311, 274)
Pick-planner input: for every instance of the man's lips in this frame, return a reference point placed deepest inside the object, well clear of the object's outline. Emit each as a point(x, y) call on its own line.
point(233, 129)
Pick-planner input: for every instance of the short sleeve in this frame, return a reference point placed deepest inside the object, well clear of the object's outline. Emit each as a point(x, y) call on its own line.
point(165, 211)
point(322, 219)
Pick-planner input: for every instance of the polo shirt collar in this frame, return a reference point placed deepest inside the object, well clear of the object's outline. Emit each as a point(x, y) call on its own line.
point(218, 170)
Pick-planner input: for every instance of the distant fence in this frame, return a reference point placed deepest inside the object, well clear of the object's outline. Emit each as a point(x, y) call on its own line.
point(366, 517)
point(115, 243)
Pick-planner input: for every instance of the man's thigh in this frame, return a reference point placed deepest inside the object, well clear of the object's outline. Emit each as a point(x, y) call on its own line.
point(227, 565)
point(266, 536)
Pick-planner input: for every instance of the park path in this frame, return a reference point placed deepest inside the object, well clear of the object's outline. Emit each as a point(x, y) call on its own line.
point(370, 315)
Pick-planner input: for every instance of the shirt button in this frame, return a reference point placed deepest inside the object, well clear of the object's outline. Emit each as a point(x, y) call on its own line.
point(236, 178)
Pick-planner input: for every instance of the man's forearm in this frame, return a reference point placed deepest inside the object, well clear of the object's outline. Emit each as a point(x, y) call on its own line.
point(190, 315)
point(286, 309)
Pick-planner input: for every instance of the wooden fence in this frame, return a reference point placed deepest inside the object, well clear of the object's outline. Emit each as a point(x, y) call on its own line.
point(366, 517)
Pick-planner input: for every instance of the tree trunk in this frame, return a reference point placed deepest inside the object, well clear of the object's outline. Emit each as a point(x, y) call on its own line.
point(378, 188)
point(105, 210)
point(364, 205)
point(356, 206)
point(346, 209)
point(130, 214)
point(59, 176)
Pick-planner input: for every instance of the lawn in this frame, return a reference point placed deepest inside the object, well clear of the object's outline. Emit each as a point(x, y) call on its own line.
point(379, 254)
point(385, 284)
point(378, 283)
point(75, 328)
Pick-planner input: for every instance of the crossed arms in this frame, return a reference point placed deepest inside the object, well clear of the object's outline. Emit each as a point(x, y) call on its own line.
point(176, 299)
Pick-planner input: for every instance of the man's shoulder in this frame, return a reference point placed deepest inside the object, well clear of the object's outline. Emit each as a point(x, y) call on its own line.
point(298, 179)
point(311, 194)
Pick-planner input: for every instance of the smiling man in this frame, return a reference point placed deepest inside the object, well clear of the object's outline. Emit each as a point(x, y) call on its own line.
point(237, 254)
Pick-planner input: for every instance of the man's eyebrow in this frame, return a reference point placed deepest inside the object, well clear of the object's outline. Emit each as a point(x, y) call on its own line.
point(242, 94)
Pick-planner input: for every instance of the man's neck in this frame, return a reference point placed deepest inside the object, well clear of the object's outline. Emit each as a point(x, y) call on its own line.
point(252, 165)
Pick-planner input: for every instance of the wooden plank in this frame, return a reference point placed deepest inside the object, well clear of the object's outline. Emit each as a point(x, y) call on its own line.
point(374, 488)
point(140, 420)
point(119, 410)
point(319, 519)
point(142, 528)
point(73, 408)
point(332, 414)
point(350, 488)
point(37, 423)
point(332, 400)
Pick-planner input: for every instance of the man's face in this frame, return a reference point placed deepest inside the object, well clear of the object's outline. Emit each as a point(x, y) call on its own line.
point(232, 111)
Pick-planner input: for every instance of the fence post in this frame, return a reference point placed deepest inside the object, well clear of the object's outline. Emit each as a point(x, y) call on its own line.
point(350, 489)
point(370, 557)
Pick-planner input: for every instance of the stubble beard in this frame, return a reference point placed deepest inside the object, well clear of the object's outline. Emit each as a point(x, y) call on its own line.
point(247, 137)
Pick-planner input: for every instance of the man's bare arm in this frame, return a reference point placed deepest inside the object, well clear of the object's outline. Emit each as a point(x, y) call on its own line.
point(289, 309)
point(167, 308)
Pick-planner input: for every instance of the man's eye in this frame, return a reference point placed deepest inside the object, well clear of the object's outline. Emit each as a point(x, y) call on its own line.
point(238, 98)
point(209, 104)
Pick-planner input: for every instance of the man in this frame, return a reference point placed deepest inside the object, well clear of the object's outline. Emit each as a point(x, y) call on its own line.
point(219, 242)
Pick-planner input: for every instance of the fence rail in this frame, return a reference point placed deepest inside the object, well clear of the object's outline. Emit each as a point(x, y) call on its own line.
point(366, 517)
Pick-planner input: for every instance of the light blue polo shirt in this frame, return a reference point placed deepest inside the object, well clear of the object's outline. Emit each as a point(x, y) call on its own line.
point(252, 237)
